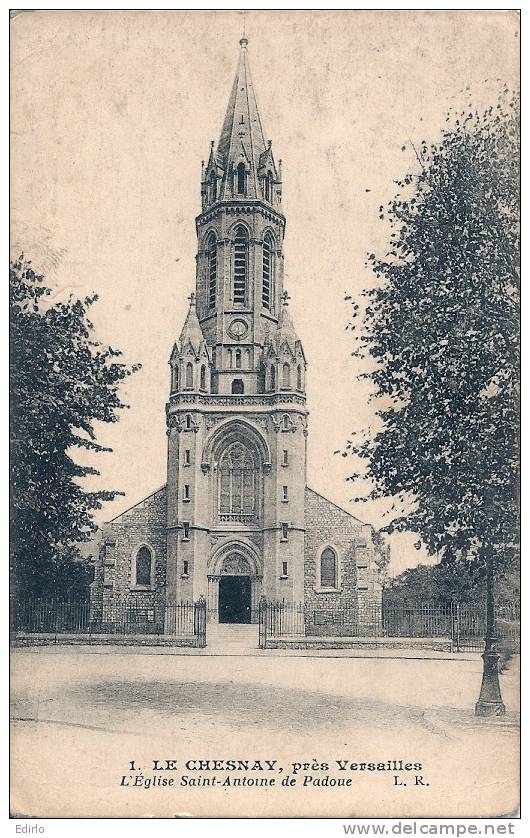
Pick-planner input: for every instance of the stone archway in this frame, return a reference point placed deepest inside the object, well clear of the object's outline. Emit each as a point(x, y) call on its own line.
point(234, 585)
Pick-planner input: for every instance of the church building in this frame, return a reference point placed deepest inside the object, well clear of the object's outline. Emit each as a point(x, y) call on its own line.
point(236, 520)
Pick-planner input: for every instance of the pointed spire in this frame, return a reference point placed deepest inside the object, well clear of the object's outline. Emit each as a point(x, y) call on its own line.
point(286, 331)
point(242, 138)
point(191, 331)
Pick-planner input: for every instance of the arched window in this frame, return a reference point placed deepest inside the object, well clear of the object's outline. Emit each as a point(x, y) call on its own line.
point(299, 377)
point(237, 483)
point(240, 265)
point(238, 388)
point(143, 567)
point(189, 375)
point(174, 378)
point(188, 422)
point(286, 381)
point(328, 568)
point(241, 179)
point(267, 273)
point(203, 378)
point(238, 359)
point(273, 378)
point(211, 250)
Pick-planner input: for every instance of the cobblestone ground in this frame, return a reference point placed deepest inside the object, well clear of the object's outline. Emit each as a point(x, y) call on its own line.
point(80, 715)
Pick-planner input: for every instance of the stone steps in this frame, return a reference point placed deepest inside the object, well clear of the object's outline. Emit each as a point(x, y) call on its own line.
point(231, 638)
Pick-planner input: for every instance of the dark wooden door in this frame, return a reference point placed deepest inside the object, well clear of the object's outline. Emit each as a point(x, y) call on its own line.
point(234, 599)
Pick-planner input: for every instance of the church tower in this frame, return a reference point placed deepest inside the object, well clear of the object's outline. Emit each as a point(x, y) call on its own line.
point(236, 415)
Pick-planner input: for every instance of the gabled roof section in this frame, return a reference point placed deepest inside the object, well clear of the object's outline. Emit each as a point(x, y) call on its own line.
point(340, 508)
point(242, 137)
point(134, 505)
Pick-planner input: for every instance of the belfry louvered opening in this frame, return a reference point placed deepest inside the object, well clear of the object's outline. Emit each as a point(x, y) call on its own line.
point(266, 287)
point(211, 249)
point(240, 265)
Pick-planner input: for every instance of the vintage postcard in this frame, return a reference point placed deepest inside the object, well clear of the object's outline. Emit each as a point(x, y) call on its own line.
point(264, 310)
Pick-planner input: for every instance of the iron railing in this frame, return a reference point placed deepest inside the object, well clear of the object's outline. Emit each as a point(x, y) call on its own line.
point(463, 626)
point(182, 621)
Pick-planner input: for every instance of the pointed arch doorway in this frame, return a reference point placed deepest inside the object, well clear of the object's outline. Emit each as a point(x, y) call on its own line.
point(234, 587)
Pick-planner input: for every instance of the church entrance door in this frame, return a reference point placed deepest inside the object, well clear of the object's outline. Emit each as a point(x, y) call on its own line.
point(234, 599)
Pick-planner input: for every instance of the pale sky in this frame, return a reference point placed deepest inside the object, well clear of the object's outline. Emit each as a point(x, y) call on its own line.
point(112, 113)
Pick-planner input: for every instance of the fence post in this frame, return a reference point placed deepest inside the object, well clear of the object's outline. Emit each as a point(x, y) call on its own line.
point(200, 622)
point(263, 623)
point(455, 626)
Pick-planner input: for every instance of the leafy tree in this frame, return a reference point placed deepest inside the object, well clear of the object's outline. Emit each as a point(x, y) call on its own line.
point(443, 584)
point(441, 336)
point(62, 381)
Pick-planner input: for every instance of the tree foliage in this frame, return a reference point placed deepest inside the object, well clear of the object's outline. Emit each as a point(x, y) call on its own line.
point(62, 382)
point(442, 584)
point(440, 331)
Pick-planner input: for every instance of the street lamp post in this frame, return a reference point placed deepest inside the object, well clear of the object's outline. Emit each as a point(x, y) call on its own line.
point(490, 701)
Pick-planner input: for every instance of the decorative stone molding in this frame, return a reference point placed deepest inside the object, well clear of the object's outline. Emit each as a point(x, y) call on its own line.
point(222, 400)
point(178, 423)
point(285, 424)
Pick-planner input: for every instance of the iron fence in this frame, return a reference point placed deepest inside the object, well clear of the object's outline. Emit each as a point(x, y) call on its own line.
point(184, 621)
point(463, 626)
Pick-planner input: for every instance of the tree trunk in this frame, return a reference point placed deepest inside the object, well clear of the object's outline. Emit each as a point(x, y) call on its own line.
point(490, 700)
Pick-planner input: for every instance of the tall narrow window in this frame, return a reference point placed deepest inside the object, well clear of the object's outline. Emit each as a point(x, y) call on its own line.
point(241, 179)
point(328, 568)
point(187, 457)
point(240, 265)
point(186, 530)
point(187, 495)
point(286, 383)
point(299, 377)
point(285, 457)
point(189, 376)
point(143, 567)
point(211, 249)
point(273, 378)
point(203, 378)
point(238, 359)
point(266, 281)
point(174, 378)
point(237, 475)
point(285, 496)
point(284, 569)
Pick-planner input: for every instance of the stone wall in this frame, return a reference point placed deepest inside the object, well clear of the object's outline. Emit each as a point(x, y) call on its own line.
point(356, 601)
point(142, 524)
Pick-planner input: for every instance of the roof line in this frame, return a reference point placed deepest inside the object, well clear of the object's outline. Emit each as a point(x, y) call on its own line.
point(134, 505)
point(338, 507)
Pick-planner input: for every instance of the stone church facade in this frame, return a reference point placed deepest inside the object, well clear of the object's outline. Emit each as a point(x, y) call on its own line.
point(236, 520)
